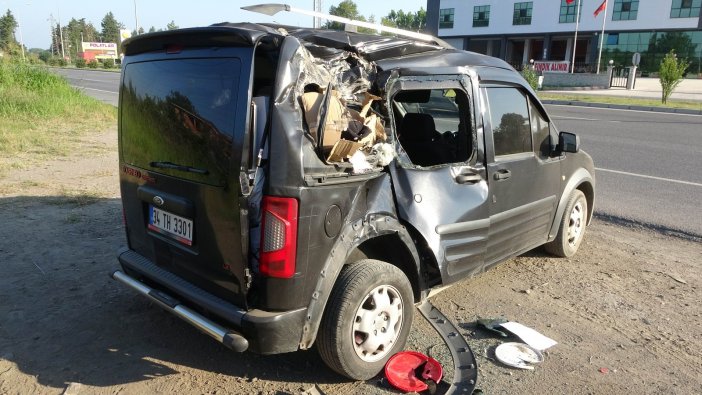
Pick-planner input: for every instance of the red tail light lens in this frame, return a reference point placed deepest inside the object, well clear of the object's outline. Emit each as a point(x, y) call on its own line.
point(278, 237)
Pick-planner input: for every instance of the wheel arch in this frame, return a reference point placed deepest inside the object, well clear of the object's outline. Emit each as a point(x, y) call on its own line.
point(357, 240)
point(588, 190)
point(580, 180)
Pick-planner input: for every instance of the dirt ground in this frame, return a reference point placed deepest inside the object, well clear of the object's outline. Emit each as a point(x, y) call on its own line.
point(625, 311)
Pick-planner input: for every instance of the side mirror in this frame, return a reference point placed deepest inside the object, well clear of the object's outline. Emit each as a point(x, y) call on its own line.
point(568, 142)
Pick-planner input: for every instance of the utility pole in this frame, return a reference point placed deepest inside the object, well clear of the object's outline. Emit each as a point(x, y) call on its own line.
point(136, 18)
point(52, 26)
point(19, 25)
point(317, 21)
point(63, 52)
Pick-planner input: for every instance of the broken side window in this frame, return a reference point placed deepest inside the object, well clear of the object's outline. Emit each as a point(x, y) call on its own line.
point(433, 125)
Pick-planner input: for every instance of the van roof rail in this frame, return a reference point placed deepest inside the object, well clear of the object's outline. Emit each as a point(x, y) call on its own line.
point(274, 8)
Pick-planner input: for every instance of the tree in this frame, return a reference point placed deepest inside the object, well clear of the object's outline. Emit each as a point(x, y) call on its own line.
point(531, 76)
point(346, 9)
point(110, 29)
point(414, 21)
point(152, 29)
point(171, 25)
point(77, 31)
point(671, 73)
point(8, 24)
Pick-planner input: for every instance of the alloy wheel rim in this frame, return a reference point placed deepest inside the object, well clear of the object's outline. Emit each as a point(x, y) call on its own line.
point(377, 323)
point(575, 224)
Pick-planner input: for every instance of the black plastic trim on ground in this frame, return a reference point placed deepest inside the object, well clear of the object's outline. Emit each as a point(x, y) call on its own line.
point(465, 374)
point(667, 110)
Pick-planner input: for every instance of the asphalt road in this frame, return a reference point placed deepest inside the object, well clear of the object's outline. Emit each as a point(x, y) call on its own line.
point(649, 165)
point(102, 85)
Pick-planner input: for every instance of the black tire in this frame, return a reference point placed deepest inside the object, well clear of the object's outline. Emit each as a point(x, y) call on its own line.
point(341, 342)
point(574, 217)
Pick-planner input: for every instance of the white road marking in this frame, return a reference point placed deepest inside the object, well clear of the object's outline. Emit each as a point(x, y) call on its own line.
point(98, 90)
point(622, 109)
point(578, 119)
point(88, 79)
point(695, 184)
point(588, 119)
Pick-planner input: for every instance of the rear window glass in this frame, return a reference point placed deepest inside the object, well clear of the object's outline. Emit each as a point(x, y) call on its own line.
point(180, 112)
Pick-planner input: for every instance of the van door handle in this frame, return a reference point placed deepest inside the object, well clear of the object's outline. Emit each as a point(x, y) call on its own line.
point(502, 174)
point(469, 178)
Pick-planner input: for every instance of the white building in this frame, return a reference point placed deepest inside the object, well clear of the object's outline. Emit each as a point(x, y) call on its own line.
point(518, 31)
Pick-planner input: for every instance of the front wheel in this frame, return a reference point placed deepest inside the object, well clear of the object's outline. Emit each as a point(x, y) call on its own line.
point(367, 319)
point(572, 227)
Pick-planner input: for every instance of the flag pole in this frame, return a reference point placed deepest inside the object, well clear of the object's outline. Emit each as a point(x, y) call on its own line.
point(599, 57)
point(575, 41)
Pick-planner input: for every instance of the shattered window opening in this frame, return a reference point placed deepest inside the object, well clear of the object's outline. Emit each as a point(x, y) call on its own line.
point(433, 125)
point(340, 119)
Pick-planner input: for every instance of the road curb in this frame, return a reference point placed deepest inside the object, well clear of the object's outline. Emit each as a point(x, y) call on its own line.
point(668, 110)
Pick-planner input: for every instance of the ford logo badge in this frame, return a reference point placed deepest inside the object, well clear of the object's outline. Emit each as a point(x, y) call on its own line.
point(158, 200)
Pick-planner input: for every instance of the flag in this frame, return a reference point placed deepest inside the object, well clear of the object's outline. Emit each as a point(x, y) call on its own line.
point(569, 1)
point(600, 8)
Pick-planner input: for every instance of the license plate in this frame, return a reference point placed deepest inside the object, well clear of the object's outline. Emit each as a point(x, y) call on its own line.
point(171, 225)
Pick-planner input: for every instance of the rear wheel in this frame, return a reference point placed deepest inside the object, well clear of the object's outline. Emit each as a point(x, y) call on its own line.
point(572, 228)
point(367, 319)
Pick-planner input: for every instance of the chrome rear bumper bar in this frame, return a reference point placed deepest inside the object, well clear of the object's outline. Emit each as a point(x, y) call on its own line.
point(228, 338)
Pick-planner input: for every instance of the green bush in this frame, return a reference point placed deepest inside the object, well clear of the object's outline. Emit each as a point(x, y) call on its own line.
point(93, 64)
point(531, 76)
point(62, 62)
point(81, 63)
point(671, 73)
point(108, 64)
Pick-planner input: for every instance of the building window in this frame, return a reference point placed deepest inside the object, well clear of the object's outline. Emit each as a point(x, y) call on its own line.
point(446, 18)
point(522, 13)
point(481, 16)
point(685, 8)
point(569, 12)
point(625, 10)
point(613, 39)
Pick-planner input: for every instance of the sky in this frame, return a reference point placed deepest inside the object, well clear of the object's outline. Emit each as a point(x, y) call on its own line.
point(33, 15)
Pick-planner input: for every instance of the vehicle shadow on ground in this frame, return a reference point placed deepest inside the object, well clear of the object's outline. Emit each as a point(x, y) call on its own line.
point(67, 321)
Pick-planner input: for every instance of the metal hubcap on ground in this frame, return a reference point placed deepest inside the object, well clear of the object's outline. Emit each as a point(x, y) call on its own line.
point(575, 224)
point(377, 323)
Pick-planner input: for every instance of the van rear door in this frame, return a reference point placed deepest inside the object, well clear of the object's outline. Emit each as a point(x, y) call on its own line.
point(183, 122)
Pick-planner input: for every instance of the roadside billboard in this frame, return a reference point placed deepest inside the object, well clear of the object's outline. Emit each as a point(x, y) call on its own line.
point(99, 51)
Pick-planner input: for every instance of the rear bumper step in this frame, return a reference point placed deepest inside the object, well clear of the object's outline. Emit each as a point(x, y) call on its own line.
point(228, 338)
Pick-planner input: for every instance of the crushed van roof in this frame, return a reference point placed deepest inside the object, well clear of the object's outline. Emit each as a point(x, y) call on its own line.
point(388, 52)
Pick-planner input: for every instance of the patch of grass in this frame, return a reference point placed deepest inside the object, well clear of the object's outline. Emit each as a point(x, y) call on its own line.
point(19, 187)
point(79, 198)
point(626, 101)
point(42, 116)
point(73, 218)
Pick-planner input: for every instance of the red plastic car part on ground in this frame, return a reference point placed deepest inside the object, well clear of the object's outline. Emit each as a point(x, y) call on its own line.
point(404, 373)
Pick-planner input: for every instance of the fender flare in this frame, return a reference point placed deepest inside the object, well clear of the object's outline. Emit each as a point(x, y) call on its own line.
point(352, 235)
point(578, 178)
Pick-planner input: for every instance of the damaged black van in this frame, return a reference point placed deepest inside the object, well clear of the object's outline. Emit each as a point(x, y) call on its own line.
point(284, 187)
